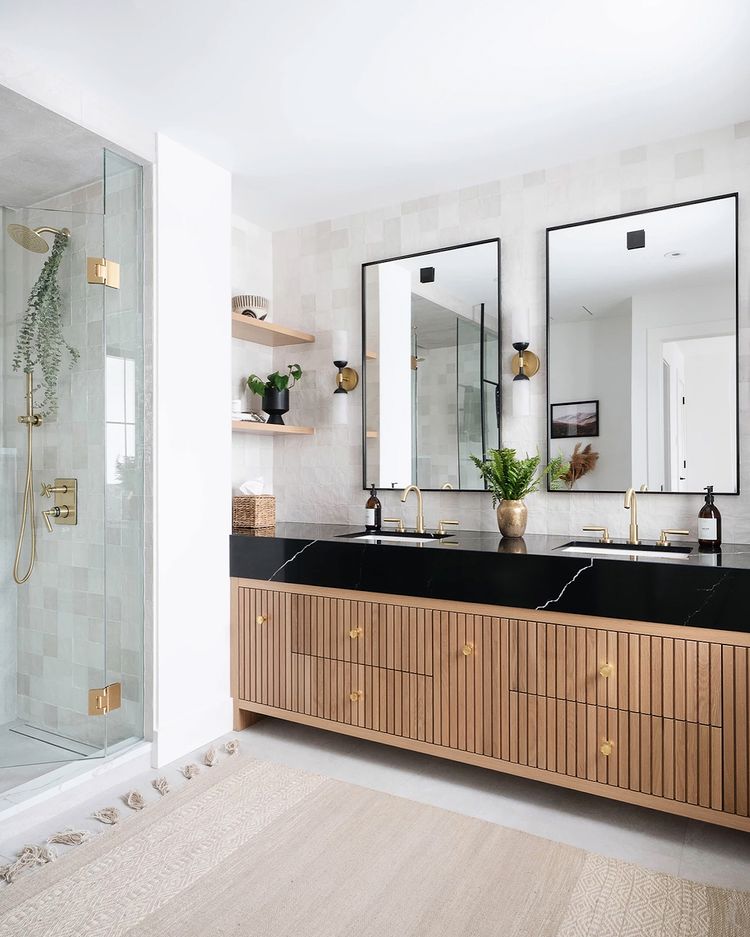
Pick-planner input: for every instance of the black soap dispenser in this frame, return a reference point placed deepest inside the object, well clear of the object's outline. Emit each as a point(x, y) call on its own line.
point(709, 523)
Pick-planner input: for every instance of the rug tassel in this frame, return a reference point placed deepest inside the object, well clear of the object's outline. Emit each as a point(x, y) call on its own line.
point(190, 771)
point(232, 746)
point(210, 758)
point(109, 815)
point(134, 800)
point(28, 858)
point(161, 785)
point(69, 837)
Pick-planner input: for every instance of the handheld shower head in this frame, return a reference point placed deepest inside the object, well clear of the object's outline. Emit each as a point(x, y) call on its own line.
point(31, 238)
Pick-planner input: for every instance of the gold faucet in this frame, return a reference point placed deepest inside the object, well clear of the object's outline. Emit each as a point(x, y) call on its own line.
point(631, 502)
point(420, 507)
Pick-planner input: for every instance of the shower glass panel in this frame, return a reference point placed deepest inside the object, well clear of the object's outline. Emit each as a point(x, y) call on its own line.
point(469, 397)
point(73, 626)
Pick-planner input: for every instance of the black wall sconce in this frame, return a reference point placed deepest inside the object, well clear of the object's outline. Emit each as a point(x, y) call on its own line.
point(524, 365)
point(346, 379)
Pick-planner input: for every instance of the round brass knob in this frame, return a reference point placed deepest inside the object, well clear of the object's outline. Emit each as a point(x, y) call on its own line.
point(606, 747)
point(606, 670)
point(261, 619)
point(467, 650)
point(355, 695)
point(355, 632)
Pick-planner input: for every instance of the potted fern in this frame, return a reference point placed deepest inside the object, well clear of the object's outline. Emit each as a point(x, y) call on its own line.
point(274, 391)
point(509, 479)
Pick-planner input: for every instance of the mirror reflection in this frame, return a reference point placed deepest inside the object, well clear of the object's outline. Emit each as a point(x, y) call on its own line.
point(431, 338)
point(642, 349)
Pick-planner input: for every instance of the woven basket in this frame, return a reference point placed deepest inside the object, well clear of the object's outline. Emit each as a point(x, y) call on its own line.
point(253, 511)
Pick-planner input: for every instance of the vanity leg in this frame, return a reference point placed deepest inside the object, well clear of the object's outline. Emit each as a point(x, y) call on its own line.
point(243, 719)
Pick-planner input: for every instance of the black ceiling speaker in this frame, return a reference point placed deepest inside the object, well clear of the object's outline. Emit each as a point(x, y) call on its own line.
point(636, 239)
point(427, 275)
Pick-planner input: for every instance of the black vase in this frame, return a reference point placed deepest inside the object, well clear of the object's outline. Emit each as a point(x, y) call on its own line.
point(275, 403)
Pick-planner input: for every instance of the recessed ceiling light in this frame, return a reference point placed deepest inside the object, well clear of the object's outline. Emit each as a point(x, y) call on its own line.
point(675, 254)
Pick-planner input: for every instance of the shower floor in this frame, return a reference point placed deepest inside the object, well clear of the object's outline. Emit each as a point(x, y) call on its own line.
point(27, 753)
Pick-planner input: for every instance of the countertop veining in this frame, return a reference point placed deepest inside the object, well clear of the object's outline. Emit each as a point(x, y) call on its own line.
point(705, 590)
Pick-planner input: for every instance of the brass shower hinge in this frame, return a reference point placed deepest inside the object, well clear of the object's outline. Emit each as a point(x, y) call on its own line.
point(105, 699)
point(101, 270)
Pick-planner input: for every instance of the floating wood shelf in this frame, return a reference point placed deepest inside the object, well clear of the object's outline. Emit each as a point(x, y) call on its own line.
point(270, 429)
point(267, 333)
point(372, 434)
point(370, 355)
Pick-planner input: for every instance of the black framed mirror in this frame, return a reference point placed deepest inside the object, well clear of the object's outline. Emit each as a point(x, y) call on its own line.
point(642, 349)
point(431, 353)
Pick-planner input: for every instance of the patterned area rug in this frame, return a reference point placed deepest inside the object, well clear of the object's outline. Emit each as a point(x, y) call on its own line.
point(252, 848)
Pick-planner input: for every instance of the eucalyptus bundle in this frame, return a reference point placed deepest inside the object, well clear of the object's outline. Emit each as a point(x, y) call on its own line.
point(41, 343)
point(582, 461)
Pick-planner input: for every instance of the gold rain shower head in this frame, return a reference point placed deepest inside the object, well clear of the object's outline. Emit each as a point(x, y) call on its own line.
point(31, 238)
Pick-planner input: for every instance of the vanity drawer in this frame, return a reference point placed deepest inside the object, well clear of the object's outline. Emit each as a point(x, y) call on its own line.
point(659, 676)
point(372, 633)
point(391, 701)
point(669, 758)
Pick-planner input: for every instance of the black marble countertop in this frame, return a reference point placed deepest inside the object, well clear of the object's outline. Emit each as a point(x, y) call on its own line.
point(706, 590)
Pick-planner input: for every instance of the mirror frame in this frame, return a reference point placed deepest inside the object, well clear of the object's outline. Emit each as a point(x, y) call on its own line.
point(363, 382)
point(629, 214)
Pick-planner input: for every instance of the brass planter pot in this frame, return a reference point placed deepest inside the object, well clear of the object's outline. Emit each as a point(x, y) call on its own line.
point(512, 517)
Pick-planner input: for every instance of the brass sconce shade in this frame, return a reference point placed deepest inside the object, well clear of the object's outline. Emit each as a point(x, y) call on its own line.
point(346, 379)
point(524, 364)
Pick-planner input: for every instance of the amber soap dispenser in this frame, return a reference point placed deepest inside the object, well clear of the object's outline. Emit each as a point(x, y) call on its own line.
point(709, 523)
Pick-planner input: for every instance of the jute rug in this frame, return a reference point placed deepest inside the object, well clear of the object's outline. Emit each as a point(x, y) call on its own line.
point(256, 849)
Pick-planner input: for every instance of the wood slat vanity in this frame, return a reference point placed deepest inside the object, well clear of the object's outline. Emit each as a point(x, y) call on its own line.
point(648, 713)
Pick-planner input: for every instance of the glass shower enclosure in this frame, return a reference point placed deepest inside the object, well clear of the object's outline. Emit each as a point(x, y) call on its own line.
point(72, 520)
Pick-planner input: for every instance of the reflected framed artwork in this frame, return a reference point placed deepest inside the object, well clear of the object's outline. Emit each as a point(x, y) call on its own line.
point(577, 419)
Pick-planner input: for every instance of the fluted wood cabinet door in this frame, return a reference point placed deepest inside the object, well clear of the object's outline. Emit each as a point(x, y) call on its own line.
point(389, 701)
point(660, 676)
point(263, 639)
point(736, 676)
point(373, 633)
point(677, 760)
point(462, 650)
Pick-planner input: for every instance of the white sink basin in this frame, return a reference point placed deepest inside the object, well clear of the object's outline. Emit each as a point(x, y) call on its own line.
point(620, 551)
point(384, 538)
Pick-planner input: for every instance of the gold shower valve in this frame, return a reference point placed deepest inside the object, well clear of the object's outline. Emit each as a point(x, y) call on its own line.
point(65, 509)
point(49, 489)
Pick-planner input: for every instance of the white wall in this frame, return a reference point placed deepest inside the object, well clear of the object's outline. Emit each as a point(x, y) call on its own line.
point(394, 372)
point(658, 317)
point(193, 446)
point(710, 412)
point(317, 284)
point(591, 361)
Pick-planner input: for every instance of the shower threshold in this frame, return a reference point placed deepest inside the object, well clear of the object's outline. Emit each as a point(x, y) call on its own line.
point(73, 746)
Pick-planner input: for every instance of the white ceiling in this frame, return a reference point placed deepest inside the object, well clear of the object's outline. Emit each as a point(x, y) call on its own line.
point(327, 107)
point(42, 154)
point(590, 265)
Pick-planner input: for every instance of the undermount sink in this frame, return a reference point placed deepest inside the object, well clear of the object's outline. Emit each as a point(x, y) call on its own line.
point(652, 550)
point(394, 536)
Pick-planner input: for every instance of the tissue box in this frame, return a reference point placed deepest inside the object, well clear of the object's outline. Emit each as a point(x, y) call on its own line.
point(253, 511)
